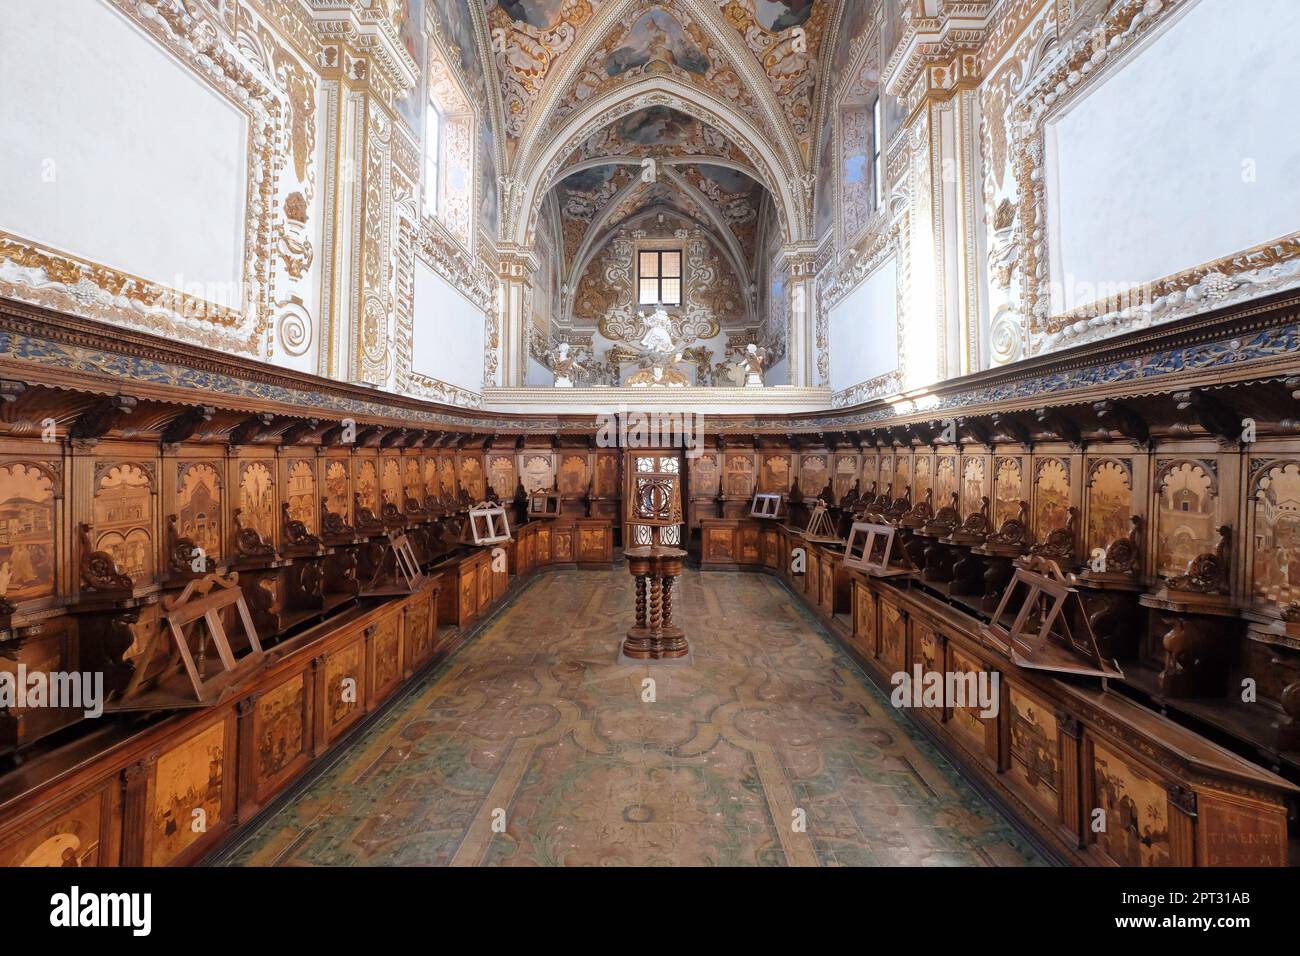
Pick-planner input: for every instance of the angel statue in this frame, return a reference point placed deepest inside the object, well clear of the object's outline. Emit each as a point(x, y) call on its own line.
point(564, 366)
point(752, 361)
point(658, 338)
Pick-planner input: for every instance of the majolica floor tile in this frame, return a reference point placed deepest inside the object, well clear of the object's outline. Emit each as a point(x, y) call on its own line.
point(536, 727)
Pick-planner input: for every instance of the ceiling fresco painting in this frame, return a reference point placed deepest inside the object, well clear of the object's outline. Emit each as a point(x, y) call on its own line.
point(662, 40)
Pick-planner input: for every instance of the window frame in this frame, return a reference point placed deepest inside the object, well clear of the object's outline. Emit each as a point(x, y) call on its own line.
point(658, 278)
point(433, 159)
point(877, 126)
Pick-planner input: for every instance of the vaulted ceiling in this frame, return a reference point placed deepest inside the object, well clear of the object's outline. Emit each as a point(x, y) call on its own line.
point(720, 93)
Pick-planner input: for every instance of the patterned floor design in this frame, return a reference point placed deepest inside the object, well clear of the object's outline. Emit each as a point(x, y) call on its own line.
point(534, 727)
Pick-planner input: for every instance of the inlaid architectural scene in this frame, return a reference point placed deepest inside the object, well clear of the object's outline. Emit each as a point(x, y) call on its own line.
point(649, 433)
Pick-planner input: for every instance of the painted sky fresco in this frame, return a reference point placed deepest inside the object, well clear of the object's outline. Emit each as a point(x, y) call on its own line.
point(657, 35)
point(777, 16)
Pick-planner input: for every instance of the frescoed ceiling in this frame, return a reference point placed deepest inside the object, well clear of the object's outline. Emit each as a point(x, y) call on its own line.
point(554, 57)
point(721, 138)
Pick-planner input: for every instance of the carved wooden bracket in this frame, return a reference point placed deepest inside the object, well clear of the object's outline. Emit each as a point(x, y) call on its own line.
point(184, 425)
point(1054, 422)
point(251, 428)
point(1211, 413)
point(1117, 419)
point(298, 430)
point(98, 420)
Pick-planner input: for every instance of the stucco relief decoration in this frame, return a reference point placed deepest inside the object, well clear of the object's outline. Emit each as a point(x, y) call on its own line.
point(786, 37)
point(528, 38)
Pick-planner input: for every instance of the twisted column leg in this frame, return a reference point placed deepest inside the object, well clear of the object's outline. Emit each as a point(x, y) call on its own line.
point(640, 600)
point(668, 601)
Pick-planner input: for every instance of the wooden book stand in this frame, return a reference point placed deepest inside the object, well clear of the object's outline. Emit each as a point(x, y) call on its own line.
point(542, 504)
point(873, 548)
point(1049, 630)
point(407, 576)
point(766, 505)
point(488, 524)
point(821, 529)
point(196, 620)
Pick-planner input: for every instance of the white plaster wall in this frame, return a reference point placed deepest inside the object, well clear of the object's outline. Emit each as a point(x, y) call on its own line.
point(449, 332)
point(117, 153)
point(864, 329)
point(1150, 173)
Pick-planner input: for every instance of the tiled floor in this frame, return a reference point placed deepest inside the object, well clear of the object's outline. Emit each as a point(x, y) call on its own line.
point(533, 747)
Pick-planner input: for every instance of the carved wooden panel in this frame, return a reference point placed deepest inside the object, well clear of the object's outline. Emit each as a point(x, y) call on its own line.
point(719, 544)
point(705, 476)
point(390, 482)
point(412, 480)
point(472, 477)
point(864, 617)
point(338, 488)
point(386, 656)
point(775, 475)
point(300, 493)
point(281, 732)
point(198, 506)
point(740, 476)
point(123, 518)
point(945, 480)
point(71, 835)
point(846, 473)
point(1051, 502)
point(344, 687)
point(257, 499)
point(922, 476)
point(902, 478)
point(1035, 748)
point(536, 471)
point(1275, 552)
point(421, 632)
point(501, 475)
point(447, 475)
point(1109, 502)
point(893, 637)
point(605, 480)
point(573, 473)
point(974, 484)
point(1187, 513)
point(966, 721)
point(368, 484)
point(1008, 489)
point(28, 547)
point(188, 794)
point(1136, 808)
point(813, 470)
